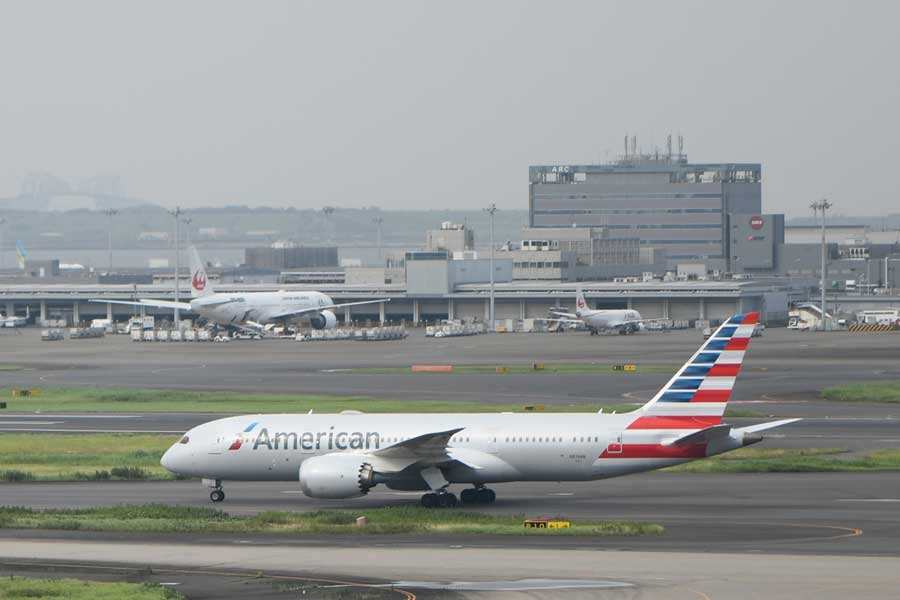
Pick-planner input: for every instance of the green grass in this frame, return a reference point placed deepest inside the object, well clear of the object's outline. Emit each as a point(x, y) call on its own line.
point(123, 400)
point(552, 368)
point(10, 368)
point(90, 399)
point(887, 391)
point(77, 589)
point(53, 457)
point(780, 460)
point(159, 518)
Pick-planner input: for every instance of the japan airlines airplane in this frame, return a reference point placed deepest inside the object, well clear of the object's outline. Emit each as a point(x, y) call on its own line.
point(251, 310)
point(624, 320)
point(345, 455)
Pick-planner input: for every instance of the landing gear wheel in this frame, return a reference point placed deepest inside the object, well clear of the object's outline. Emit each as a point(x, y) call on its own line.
point(217, 495)
point(469, 496)
point(429, 500)
point(485, 496)
point(447, 500)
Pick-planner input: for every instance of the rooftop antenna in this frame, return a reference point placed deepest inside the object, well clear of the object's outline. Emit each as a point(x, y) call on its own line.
point(634, 145)
point(680, 147)
point(669, 146)
point(626, 146)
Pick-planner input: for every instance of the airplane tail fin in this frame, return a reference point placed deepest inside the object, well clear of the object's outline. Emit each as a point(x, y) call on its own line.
point(580, 302)
point(696, 397)
point(200, 285)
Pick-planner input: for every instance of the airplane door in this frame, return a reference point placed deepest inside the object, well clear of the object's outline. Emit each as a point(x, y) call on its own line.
point(219, 443)
point(615, 444)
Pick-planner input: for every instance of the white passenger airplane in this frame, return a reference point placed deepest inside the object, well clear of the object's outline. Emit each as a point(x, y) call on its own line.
point(625, 321)
point(345, 455)
point(251, 310)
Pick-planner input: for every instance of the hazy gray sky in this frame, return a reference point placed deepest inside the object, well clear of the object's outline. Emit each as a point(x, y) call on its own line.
point(437, 105)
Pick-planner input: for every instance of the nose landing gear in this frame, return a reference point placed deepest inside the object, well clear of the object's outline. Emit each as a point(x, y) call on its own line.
point(216, 495)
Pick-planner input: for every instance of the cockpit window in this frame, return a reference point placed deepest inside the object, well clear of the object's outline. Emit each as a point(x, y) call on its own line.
point(184, 440)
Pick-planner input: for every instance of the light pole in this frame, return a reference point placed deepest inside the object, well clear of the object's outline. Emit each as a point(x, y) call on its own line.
point(177, 214)
point(2, 256)
point(110, 213)
point(491, 209)
point(822, 205)
point(378, 221)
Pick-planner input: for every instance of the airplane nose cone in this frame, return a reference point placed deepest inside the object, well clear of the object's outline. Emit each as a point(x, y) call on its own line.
point(168, 460)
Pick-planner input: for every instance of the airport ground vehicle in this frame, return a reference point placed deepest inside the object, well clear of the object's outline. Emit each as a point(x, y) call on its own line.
point(345, 455)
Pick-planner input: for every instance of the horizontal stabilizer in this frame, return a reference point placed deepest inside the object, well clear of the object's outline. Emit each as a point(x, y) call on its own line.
point(765, 426)
point(703, 436)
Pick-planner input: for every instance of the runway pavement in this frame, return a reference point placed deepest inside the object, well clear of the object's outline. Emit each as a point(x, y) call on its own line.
point(728, 536)
point(801, 513)
point(783, 373)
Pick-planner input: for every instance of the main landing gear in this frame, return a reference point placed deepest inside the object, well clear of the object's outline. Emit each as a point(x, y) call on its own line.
point(444, 499)
point(217, 495)
point(478, 495)
point(440, 499)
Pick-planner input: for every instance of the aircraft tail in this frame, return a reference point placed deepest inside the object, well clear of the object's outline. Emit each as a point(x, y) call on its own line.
point(696, 397)
point(580, 302)
point(200, 285)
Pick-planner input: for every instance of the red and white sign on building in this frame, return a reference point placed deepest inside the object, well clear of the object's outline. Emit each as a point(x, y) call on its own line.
point(756, 222)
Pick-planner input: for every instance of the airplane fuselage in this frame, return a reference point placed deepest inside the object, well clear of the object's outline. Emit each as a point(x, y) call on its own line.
point(258, 307)
point(607, 319)
point(503, 447)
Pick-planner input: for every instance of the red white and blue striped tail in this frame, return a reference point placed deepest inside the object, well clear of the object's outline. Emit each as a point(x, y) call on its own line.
point(695, 398)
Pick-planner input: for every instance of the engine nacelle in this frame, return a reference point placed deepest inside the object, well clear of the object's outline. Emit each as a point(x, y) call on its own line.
point(336, 476)
point(323, 320)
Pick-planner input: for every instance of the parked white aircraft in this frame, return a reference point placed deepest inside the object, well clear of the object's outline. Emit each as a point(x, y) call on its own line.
point(251, 310)
point(625, 321)
point(13, 321)
point(345, 455)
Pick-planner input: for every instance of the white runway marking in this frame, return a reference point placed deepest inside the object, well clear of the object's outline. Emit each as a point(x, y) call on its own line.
point(868, 500)
point(43, 416)
point(31, 422)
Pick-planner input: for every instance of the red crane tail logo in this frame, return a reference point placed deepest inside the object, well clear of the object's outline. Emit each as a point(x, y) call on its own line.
point(199, 281)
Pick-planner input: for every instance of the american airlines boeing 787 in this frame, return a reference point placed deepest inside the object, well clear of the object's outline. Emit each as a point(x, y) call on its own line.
point(345, 455)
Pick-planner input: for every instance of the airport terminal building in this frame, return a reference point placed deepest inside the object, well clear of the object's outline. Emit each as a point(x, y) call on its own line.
point(665, 202)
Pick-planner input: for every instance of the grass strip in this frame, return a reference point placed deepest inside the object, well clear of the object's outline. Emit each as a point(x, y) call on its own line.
point(886, 391)
point(782, 460)
point(547, 368)
point(91, 399)
point(160, 518)
point(95, 456)
point(125, 400)
point(78, 589)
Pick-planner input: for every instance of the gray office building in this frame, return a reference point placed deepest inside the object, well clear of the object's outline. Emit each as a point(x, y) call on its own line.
point(664, 201)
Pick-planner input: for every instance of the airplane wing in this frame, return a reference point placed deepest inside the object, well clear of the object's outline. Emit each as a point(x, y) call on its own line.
point(561, 320)
point(560, 313)
point(428, 445)
point(146, 302)
point(315, 309)
point(427, 450)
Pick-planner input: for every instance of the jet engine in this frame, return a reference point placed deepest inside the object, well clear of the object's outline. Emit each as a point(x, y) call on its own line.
point(336, 476)
point(323, 320)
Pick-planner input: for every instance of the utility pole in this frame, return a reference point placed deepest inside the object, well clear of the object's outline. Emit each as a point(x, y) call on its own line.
point(110, 213)
point(177, 214)
point(2, 256)
point(491, 209)
point(378, 221)
point(822, 205)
